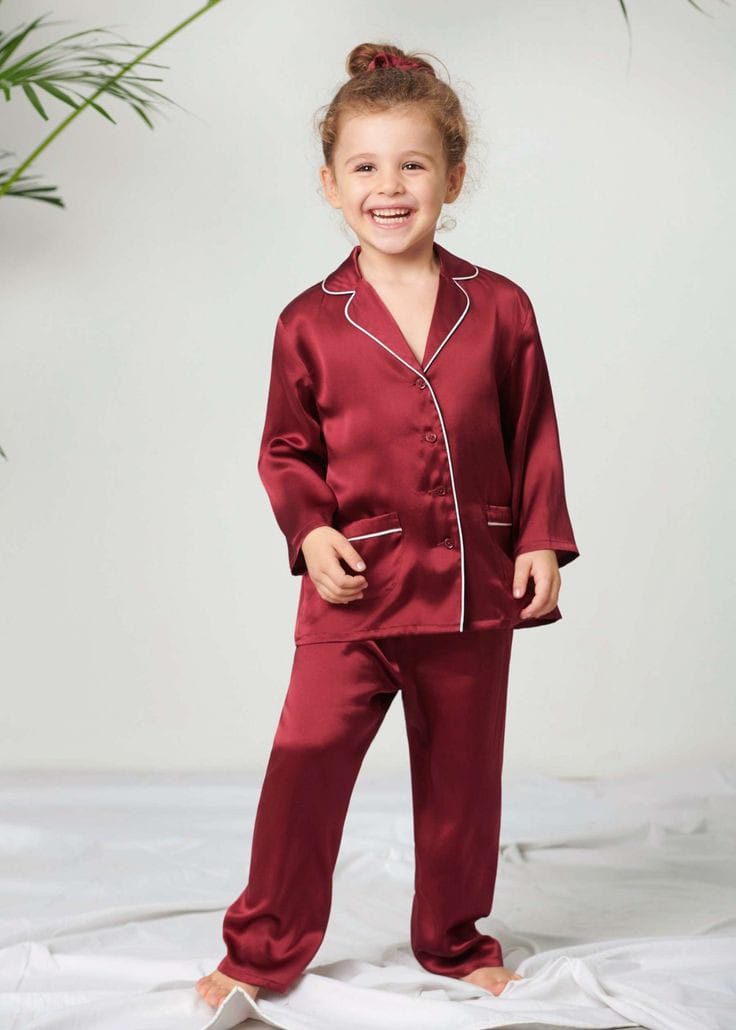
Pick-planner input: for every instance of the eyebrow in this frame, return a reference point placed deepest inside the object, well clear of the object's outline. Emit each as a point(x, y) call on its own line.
point(422, 153)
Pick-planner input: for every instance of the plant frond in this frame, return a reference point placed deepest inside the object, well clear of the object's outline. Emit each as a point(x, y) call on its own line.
point(30, 190)
point(92, 68)
point(69, 61)
point(698, 8)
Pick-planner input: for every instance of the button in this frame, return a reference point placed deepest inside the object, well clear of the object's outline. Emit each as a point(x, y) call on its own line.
point(448, 543)
point(420, 383)
point(430, 436)
point(441, 490)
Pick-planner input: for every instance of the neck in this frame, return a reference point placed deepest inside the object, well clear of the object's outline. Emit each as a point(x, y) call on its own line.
point(414, 265)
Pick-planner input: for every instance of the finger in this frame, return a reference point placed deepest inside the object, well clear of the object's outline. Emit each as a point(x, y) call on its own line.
point(349, 554)
point(334, 599)
point(339, 581)
point(346, 596)
point(547, 591)
point(344, 590)
point(327, 594)
point(541, 602)
point(521, 578)
point(347, 588)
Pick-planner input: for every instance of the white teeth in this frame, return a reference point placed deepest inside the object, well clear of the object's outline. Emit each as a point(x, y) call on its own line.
point(390, 214)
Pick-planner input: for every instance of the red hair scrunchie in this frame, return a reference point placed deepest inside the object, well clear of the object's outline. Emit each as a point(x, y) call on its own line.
point(385, 60)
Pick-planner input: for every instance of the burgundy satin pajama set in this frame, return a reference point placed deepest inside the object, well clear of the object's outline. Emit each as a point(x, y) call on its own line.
point(440, 473)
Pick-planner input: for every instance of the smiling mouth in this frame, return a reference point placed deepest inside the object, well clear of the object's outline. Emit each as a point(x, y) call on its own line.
point(390, 215)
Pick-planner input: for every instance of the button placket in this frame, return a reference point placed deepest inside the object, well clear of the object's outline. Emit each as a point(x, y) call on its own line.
point(448, 542)
point(439, 491)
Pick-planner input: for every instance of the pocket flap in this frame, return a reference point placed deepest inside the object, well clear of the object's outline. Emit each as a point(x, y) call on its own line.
point(371, 525)
point(498, 514)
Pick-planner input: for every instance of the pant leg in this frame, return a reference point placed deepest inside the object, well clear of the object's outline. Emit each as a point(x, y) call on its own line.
point(454, 688)
point(338, 695)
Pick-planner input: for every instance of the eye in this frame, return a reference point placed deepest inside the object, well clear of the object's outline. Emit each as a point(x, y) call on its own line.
point(359, 168)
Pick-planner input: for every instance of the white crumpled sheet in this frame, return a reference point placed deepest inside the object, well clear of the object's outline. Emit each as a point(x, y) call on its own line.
point(616, 899)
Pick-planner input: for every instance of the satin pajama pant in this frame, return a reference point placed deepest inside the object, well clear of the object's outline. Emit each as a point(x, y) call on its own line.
point(453, 688)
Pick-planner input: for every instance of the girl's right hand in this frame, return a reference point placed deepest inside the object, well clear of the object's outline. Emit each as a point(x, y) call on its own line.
point(322, 548)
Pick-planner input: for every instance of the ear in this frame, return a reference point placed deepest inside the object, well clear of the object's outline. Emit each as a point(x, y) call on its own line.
point(329, 186)
point(455, 179)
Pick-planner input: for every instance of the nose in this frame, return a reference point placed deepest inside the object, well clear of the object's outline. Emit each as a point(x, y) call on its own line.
point(391, 183)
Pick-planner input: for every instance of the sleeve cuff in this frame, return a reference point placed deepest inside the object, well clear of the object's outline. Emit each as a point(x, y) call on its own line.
point(566, 550)
point(297, 564)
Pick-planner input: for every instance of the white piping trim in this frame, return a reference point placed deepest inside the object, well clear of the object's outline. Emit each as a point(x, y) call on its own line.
point(462, 316)
point(420, 372)
point(499, 523)
point(381, 532)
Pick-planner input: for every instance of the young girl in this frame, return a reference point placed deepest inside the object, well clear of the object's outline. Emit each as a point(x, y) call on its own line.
point(412, 460)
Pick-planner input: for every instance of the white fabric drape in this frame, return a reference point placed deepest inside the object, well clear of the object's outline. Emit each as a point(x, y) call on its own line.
point(616, 900)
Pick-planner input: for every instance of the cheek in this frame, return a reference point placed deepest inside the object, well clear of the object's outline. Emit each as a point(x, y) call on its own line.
point(355, 200)
point(431, 194)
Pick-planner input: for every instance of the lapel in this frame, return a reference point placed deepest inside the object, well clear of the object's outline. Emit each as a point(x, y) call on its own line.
point(365, 310)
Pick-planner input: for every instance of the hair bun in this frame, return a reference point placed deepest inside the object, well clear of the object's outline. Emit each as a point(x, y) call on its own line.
point(387, 60)
point(370, 57)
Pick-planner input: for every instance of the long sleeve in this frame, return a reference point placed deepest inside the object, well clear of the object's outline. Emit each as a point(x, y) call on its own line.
point(540, 517)
point(292, 461)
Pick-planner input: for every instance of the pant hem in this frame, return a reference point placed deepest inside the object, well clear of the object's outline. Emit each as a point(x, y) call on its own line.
point(237, 972)
point(459, 971)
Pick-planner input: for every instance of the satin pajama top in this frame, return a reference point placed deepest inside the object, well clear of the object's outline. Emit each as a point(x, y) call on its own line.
point(440, 473)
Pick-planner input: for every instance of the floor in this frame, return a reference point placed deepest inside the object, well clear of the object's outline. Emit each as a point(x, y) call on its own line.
point(615, 899)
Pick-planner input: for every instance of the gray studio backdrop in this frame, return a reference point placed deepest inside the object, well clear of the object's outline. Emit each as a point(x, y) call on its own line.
point(146, 605)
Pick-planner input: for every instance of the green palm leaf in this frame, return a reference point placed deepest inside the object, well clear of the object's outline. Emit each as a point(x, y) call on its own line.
point(76, 72)
point(62, 65)
point(29, 191)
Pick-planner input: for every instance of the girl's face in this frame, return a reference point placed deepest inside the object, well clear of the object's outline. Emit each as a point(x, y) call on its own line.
point(390, 163)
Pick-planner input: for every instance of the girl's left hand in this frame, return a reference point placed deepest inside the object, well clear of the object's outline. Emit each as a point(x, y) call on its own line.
point(543, 567)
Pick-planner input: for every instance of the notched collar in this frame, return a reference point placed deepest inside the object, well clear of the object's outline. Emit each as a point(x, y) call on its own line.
point(366, 311)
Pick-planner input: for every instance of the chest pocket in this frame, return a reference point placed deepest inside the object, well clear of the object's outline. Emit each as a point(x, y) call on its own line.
point(378, 540)
point(500, 527)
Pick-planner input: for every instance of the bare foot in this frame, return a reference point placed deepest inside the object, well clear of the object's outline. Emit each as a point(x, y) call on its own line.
point(492, 978)
point(215, 987)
